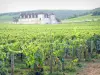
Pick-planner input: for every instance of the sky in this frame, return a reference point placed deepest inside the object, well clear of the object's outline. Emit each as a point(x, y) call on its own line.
point(24, 5)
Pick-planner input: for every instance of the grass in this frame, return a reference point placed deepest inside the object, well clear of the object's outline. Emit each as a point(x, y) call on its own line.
point(82, 19)
point(7, 18)
point(55, 72)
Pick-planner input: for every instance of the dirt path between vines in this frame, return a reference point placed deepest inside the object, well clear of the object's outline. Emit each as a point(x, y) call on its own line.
point(93, 68)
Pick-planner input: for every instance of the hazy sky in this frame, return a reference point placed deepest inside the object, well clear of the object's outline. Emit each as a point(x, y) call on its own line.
point(23, 5)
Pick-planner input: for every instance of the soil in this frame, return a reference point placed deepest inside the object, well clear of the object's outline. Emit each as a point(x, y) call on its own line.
point(93, 68)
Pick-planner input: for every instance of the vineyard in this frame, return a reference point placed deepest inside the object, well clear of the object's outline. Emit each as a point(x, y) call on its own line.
point(47, 49)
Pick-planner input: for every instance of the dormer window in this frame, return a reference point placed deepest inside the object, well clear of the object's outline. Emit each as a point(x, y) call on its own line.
point(40, 19)
point(29, 15)
point(26, 16)
point(45, 15)
point(22, 16)
point(36, 16)
point(32, 15)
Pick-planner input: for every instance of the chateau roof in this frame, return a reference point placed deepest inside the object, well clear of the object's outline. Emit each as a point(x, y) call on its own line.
point(34, 15)
point(25, 13)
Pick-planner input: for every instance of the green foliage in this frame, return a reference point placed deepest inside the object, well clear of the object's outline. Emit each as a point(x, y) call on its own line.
point(3, 69)
point(72, 65)
point(38, 42)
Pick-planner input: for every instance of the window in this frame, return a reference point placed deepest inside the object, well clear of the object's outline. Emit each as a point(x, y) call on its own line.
point(29, 15)
point(32, 15)
point(40, 19)
point(26, 16)
point(36, 16)
point(45, 16)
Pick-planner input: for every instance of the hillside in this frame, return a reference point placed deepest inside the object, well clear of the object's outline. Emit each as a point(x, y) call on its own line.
point(82, 19)
point(60, 14)
point(96, 12)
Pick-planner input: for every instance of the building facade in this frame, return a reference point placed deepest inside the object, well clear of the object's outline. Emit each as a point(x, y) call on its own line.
point(37, 18)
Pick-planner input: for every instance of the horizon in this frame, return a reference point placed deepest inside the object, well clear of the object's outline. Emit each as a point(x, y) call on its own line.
point(49, 10)
point(44, 10)
point(29, 5)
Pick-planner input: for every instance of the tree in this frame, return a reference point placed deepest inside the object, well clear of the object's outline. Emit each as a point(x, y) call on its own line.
point(15, 19)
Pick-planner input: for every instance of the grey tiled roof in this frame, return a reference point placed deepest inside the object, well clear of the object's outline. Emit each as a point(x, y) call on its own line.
point(34, 14)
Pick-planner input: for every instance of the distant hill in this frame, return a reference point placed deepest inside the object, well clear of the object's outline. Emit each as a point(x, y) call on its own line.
point(60, 14)
point(96, 11)
point(84, 18)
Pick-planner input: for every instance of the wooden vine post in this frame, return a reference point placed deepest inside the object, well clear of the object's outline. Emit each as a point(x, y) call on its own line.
point(62, 64)
point(89, 48)
point(92, 46)
point(77, 53)
point(85, 52)
point(98, 46)
point(80, 53)
point(73, 52)
point(51, 59)
point(12, 64)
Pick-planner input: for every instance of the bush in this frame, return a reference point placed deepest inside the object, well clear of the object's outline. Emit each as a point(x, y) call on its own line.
point(31, 73)
point(15, 70)
point(72, 66)
point(46, 68)
point(56, 73)
point(79, 65)
point(21, 66)
point(3, 71)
